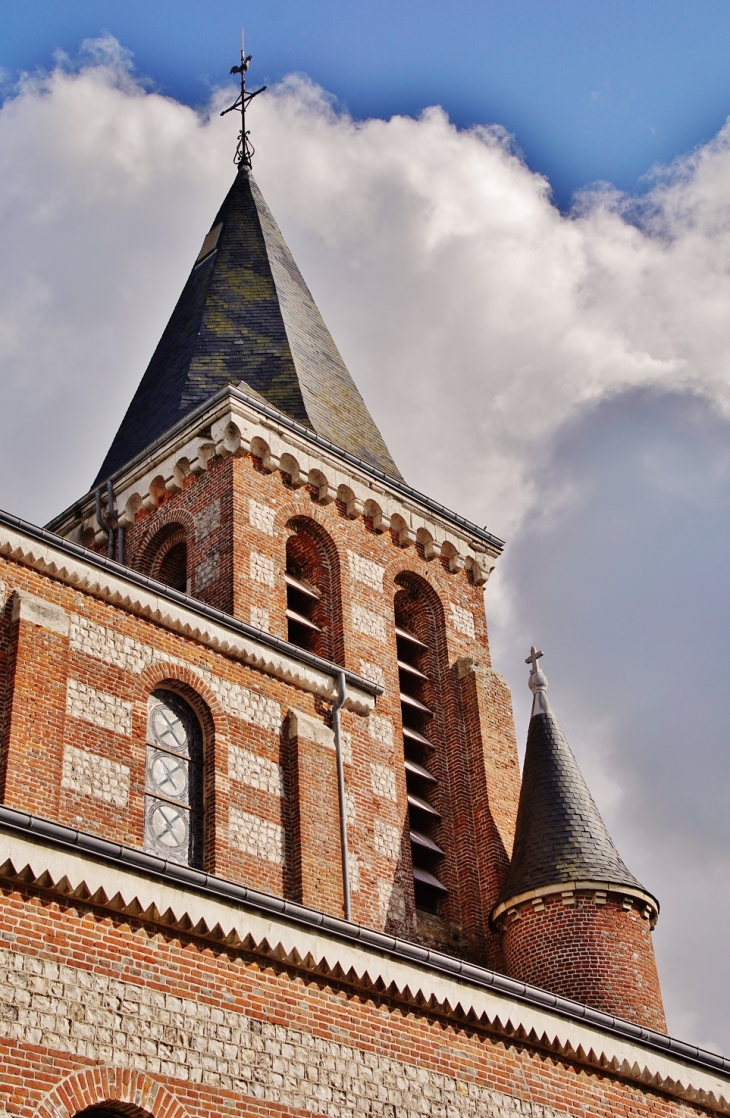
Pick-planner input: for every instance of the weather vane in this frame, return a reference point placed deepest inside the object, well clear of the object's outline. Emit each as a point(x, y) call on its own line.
point(245, 150)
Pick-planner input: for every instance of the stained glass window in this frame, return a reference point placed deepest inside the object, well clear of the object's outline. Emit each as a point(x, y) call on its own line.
point(173, 782)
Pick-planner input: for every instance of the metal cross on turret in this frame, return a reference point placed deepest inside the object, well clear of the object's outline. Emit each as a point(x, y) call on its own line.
point(533, 658)
point(245, 150)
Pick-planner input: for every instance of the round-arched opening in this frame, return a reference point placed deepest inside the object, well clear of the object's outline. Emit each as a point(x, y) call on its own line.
point(419, 635)
point(173, 779)
point(173, 570)
point(166, 557)
point(313, 609)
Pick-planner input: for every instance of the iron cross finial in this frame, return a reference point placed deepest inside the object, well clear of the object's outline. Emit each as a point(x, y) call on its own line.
point(533, 658)
point(245, 150)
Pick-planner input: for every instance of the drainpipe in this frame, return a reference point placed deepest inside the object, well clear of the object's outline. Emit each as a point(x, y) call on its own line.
point(339, 703)
point(110, 522)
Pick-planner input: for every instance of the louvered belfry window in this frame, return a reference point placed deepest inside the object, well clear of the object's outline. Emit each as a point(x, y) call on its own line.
point(416, 666)
point(312, 610)
point(173, 780)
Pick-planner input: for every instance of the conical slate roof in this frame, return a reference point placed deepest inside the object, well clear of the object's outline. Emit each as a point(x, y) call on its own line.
point(247, 318)
point(560, 836)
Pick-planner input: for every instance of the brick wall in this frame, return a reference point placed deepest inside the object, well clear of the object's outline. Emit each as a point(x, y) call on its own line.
point(102, 1009)
point(600, 953)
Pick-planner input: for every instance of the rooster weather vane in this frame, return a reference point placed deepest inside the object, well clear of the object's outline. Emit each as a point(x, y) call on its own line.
point(245, 150)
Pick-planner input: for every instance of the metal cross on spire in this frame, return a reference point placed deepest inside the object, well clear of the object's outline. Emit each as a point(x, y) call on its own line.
point(245, 150)
point(533, 658)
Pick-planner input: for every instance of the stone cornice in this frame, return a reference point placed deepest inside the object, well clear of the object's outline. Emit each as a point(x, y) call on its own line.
point(234, 423)
point(57, 862)
point(648, 905)
point(102, 578)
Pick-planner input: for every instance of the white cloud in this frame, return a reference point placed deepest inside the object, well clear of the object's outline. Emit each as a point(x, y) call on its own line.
point(562, 378)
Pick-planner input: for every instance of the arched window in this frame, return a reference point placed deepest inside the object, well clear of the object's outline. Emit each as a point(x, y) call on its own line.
point(173, 827)
point(417, 624)
point(313, 608)
point(168, 557)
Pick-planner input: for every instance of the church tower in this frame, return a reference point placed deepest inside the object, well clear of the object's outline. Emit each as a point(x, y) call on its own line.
point(264, 847)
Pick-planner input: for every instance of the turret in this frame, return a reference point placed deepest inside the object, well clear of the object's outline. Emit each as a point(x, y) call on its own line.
point(573, 919)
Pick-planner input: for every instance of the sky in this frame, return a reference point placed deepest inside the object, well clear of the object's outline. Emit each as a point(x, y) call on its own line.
point(516, 221)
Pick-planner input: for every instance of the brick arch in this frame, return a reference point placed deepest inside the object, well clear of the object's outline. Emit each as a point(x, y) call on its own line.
point(216, 735)
point(169, 525)
point(132, 1094)
point(408, 560)
point(316, 550)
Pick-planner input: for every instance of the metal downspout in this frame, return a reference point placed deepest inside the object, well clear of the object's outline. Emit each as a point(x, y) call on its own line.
point(339, 703)
point(110, 523)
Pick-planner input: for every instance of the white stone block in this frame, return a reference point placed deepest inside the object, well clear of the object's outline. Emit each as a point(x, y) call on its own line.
point(373, 672)
point(255, 771)
point(369, 623)
point(462, 620)
point(207, 521)
point(365, 571)
point(260, 619)
point(256, 836)
point(387, 840)
point(261, 568)
point(382, 782)
point(381, 730)
point(261, 516)
point(88, 774)
point(97, 707)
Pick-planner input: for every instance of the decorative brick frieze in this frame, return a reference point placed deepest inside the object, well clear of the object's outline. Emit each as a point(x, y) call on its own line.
point(261, 516)
point(255, 771)
point(369, 623)
point(261, 568)
point(88, 774)
point(462, 620)
point(98, 707)
point(365, 571)
point(382, 782)
point(256, 836)
point(381, 730)
point(207, 521)
point(387, 840)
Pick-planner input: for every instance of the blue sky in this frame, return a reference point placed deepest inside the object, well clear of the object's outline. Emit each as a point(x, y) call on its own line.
point(591, 89)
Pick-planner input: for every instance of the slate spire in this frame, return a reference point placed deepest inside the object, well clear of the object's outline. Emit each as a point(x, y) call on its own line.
point(560, 836)
point(247, 318)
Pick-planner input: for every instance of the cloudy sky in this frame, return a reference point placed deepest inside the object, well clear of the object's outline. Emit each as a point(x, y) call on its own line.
point(547, 355)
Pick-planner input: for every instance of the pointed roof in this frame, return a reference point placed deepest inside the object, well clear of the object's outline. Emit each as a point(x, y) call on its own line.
point(247, 318)
point(560, 836)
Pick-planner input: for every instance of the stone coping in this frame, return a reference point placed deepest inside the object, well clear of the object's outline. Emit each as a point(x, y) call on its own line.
point(56, 861)
point(103, 578)
point(646, 900)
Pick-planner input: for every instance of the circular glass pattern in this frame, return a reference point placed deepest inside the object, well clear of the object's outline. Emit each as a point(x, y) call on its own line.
point(169, 729)
point(168, 776)
point(169, 826)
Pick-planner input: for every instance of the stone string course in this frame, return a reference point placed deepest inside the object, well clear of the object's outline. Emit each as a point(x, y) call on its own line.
point(99, 708)
point(256, 836)
point(382, 781)
point(365, 571)
point(369, 623)
point(105, 1020)
point(255, 771)
point(88, 774)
